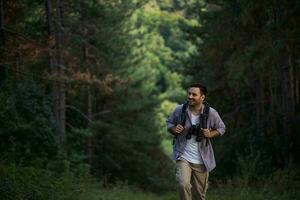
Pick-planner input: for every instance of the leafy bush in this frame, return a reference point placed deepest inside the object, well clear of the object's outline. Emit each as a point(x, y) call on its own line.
point(27, 131)
point(30, 183)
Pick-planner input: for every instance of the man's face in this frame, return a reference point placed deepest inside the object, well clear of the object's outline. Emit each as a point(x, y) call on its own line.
point(195, 97)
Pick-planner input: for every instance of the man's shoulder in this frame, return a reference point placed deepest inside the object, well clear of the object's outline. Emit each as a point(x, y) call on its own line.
point(178, 109)
point(213, 111)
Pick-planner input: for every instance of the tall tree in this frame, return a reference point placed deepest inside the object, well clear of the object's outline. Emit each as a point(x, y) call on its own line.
point(56, 29)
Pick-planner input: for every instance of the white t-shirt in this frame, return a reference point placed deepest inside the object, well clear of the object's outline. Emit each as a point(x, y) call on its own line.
point(191, 151)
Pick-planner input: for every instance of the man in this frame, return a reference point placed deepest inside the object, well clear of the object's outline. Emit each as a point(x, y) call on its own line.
point(193, 150)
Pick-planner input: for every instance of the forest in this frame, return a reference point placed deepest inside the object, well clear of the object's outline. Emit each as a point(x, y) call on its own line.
point(86, 87)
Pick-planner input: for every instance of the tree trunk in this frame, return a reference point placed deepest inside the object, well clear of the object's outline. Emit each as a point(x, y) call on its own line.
point(52, 59)
point(51, 45)
point(297, 88)
point(60, 106)
point(89, 143)
point(295, 76)
point(293, 88)
point(1, 15)
point(272, 97)
point(257, 105)
point(57, 69)
point(287, 106)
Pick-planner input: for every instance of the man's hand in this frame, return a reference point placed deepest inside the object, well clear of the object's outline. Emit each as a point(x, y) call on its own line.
point(178, 129)
point(210, 134)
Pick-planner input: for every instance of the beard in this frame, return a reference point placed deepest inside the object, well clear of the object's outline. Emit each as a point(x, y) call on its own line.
point(191, 103)
point(194, 103)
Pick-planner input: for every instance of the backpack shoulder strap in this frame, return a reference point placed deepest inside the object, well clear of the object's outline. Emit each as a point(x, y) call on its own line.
point(205, 117)
point(182, 118)
point(183, 114)
point(205, 114)
point(206, 108)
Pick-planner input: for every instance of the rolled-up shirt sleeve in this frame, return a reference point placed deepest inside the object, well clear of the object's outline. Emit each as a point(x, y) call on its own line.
point(172, 119)
point(217, 123)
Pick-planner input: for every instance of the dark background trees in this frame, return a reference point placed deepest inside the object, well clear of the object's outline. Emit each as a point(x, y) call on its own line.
point(249, 53)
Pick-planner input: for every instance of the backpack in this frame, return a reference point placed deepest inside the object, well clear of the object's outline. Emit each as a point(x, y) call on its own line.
point(203, 117)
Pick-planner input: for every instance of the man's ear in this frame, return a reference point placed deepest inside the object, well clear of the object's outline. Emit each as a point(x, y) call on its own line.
point(203, 97)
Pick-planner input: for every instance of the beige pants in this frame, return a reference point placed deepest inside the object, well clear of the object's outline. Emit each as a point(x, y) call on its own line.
point(192, 180)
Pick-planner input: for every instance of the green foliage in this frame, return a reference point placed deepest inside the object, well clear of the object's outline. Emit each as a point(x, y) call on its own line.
point(249, 194)
point(25, 114)
point(129, 152)
point(75, 151)
point(123, 191)
point(253, 166)
point(128, 140)
point(282, 184)
point(34, 184)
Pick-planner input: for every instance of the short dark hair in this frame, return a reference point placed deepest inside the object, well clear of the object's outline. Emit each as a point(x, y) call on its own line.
point(202, 88)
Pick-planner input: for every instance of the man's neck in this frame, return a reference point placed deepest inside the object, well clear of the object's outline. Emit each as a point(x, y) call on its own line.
point(196, 109)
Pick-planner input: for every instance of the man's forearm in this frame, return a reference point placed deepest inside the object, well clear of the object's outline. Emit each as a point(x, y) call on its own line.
point(214, 133)
point(172, 130)
point(175, 130)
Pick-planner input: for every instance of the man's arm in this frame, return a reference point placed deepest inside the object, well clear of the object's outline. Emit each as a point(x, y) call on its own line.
point(172, 124)
point(211, 133)
point(175, 130)
point(218, 126)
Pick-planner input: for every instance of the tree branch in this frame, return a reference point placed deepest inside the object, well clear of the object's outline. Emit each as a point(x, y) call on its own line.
point(77, 110)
